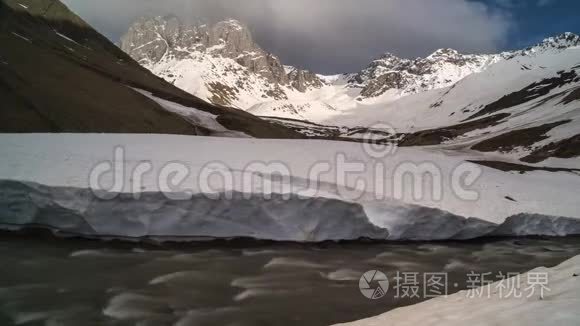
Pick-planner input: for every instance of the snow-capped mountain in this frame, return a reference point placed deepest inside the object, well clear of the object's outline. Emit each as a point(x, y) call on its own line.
point(223, 65)
point(553, 44)
point(493, 103)
point(220, 63)
point(405, 93)
point(441, 69)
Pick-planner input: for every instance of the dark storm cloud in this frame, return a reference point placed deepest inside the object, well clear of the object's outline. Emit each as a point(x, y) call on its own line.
point(326, 35)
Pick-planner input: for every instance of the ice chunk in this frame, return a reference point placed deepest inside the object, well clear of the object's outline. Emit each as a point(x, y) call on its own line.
point(535, 224)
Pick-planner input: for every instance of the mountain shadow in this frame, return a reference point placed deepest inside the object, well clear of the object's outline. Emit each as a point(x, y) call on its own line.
point(58, 74)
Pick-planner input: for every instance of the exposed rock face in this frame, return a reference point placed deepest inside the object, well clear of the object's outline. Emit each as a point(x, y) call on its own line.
point(165, 44)
point(381, 84)
point(303, 80)
point(555, 43)
point(150, 40)
point(441, 69)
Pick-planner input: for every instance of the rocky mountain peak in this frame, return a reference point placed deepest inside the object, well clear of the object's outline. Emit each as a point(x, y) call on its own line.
point(443, 54)
point(440, 69)
point(555, 43)
point(562, 41)
point(232, 24)
point(390, 61)
point(151, 38)
point(231, 38)
point(386, 63)
point(222, 63)
point(302, 80)
point(163, 44)
point(389, 57)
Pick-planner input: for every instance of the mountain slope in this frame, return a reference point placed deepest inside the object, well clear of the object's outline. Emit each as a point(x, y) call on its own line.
point(220, 63)
point(441, 69)
point(407, 85)
point(223, 64)
point(57, 74)
point(523, 108)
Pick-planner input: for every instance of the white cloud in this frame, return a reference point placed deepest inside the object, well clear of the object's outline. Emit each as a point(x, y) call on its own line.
point(328, 35)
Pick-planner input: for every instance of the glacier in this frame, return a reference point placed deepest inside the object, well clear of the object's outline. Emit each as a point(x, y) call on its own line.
point(80, 212)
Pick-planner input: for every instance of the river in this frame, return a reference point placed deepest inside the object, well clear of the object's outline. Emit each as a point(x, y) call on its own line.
point(54, 282)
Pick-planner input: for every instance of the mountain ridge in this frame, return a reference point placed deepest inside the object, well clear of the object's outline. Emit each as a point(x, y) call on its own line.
point(161, 43)
point(222, 64)
point(58, 74)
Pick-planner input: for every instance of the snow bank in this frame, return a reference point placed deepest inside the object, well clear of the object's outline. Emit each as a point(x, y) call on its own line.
point(294, 109)
point(535, 224)
point(558, 306)
point(317, 210)
point(195, 116)
point(80, 212)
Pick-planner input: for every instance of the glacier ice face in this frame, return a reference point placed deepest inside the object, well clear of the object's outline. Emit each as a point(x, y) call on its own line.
point(78, 211)
point(281, 218)
point(419, 223)
point(22, 204)
point(536, 224)
point(475, 228)
point(414, 222)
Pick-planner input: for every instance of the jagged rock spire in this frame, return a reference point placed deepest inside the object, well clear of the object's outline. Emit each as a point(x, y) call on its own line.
point(150, 40)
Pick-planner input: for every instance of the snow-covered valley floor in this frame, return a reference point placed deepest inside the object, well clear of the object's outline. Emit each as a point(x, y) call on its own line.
point(299, 190)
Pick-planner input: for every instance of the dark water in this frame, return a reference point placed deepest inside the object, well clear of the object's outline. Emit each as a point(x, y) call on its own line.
point(79, 283)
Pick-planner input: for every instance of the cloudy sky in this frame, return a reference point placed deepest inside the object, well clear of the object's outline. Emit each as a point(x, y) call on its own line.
point(331, 36)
